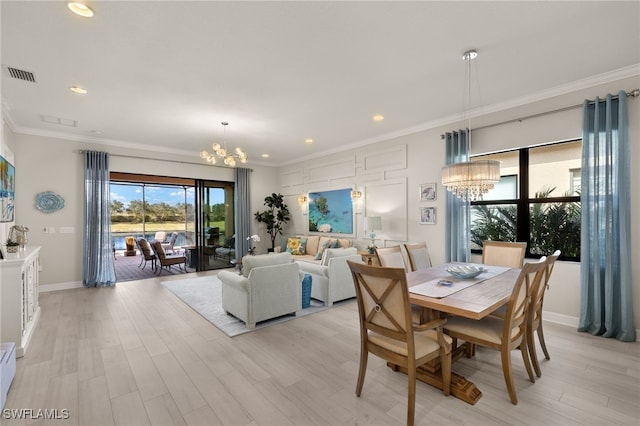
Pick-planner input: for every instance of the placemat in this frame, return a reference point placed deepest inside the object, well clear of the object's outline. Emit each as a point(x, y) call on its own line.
point(433, 289)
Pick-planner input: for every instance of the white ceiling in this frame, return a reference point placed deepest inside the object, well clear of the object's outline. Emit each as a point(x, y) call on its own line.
point(165, 74)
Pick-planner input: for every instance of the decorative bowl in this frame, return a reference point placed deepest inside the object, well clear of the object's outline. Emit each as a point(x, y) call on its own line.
point(465, 272)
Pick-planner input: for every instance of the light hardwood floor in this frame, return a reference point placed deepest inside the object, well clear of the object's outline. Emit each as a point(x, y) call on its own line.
point(136, 355)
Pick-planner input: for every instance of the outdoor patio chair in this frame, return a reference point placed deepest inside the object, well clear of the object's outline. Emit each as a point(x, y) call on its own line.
point(146, 253)
point(168, 247)
point(167, 261)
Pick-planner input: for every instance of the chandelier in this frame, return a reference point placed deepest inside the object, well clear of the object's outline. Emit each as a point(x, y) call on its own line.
point(220, 152)
point(470, 180)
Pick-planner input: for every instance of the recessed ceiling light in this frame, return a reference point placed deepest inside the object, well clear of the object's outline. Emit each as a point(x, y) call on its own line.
point(80, 9)
point(79, 90)
point(308, 140)
point(378, 117)
point(265, 155)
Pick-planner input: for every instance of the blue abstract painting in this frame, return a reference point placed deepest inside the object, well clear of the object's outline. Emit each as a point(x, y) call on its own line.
point(331, 212)
point(7, 190)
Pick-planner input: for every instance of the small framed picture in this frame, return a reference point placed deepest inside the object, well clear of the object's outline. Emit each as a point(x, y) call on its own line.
point(428, 191)
point(427, 215)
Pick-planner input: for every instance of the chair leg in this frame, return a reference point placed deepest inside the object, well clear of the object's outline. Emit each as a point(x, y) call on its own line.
point(508, 377)
point(541, 340)
point(531, 346)
point(364, 356)
point(525, 359)
point(445, 369)
point(411, 394)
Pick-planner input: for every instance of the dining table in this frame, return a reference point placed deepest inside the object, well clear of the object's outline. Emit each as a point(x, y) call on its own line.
point(470, 298)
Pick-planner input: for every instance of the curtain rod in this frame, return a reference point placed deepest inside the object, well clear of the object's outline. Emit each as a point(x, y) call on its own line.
point(136, 157)
point(632, 94)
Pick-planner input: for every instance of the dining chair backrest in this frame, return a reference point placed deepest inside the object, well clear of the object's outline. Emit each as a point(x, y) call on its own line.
point(531, 275)
point(534, 314)
point(387, 329)
point(391, 257)
point(418, 256)
point(383, 303)
point(503, 253)
point(160, 236)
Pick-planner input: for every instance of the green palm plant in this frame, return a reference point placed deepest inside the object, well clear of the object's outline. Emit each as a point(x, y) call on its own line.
point(552, 225)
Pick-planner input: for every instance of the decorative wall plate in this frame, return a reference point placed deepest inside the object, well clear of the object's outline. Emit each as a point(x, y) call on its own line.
point(49, 202)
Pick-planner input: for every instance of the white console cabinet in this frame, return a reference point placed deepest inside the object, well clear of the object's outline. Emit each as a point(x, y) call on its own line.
point(19, 297)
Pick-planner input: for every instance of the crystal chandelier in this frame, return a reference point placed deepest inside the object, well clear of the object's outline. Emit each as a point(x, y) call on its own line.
point(220, 152)
point(470, 180)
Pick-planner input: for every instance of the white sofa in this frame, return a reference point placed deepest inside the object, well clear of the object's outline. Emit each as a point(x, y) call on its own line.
point(331, 279)
point(269, 287)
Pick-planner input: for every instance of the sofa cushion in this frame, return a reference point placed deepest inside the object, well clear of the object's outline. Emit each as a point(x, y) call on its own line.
point(296, 246)
point(337, 252)
point(312, 244)
point(250, 262)
point(344, 242)
point(325, 243)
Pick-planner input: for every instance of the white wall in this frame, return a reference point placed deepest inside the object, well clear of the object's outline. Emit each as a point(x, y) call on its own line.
point(375, 166)
point(50, 164)
point(388, 173)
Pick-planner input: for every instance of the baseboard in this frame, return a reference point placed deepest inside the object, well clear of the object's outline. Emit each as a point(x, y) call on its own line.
point(60, 286)
point(560, 319)
point(570, 321)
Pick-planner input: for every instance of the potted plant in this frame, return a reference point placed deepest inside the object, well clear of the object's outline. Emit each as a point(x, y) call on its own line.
point(275, 217)
point(12, 246)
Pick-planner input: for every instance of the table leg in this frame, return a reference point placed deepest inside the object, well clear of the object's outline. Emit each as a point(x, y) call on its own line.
point(429, 373)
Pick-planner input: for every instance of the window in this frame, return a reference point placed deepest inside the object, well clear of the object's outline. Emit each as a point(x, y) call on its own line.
point(575, 176)
point(537, 200)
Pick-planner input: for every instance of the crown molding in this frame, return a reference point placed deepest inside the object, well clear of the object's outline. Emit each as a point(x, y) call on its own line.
point(608, 77)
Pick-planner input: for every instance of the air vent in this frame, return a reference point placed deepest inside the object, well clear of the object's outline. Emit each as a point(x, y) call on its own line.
point(59, 121)
point(21, 74)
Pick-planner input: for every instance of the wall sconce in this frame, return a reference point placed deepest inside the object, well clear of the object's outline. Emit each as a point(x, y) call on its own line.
point(302, 202)
point(355, 194)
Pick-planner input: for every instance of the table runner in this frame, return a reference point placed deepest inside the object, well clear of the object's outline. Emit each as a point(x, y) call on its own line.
point(431, 288)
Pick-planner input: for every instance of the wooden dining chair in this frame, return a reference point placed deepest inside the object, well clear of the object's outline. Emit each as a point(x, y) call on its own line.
point(387, 331)
point(505, 334)
point(418, 256)
point(391, 257)
point(534, 314)
point(503, 253)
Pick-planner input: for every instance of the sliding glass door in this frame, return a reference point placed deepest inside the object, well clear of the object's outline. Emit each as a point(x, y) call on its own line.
point(215, 223)
point(153, 207)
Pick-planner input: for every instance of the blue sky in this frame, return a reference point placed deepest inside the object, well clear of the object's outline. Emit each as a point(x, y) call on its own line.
point(158, 194)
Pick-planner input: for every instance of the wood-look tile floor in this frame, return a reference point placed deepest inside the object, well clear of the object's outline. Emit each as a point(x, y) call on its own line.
point(136, 355)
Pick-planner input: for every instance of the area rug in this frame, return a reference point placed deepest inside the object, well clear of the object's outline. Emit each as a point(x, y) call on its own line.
point(204, 295)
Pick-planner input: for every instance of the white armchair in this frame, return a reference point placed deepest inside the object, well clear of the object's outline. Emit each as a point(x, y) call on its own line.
point(269, 287)
point(331, 280)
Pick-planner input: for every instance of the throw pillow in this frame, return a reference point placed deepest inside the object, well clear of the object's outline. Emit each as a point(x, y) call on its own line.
point(296, 246)
point(321, 250)
point(336, 244)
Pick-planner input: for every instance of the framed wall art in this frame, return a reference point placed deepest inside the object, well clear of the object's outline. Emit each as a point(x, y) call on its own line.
point(331, 211)
point(7, 190)
point(428, 191)
point(427, 215)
